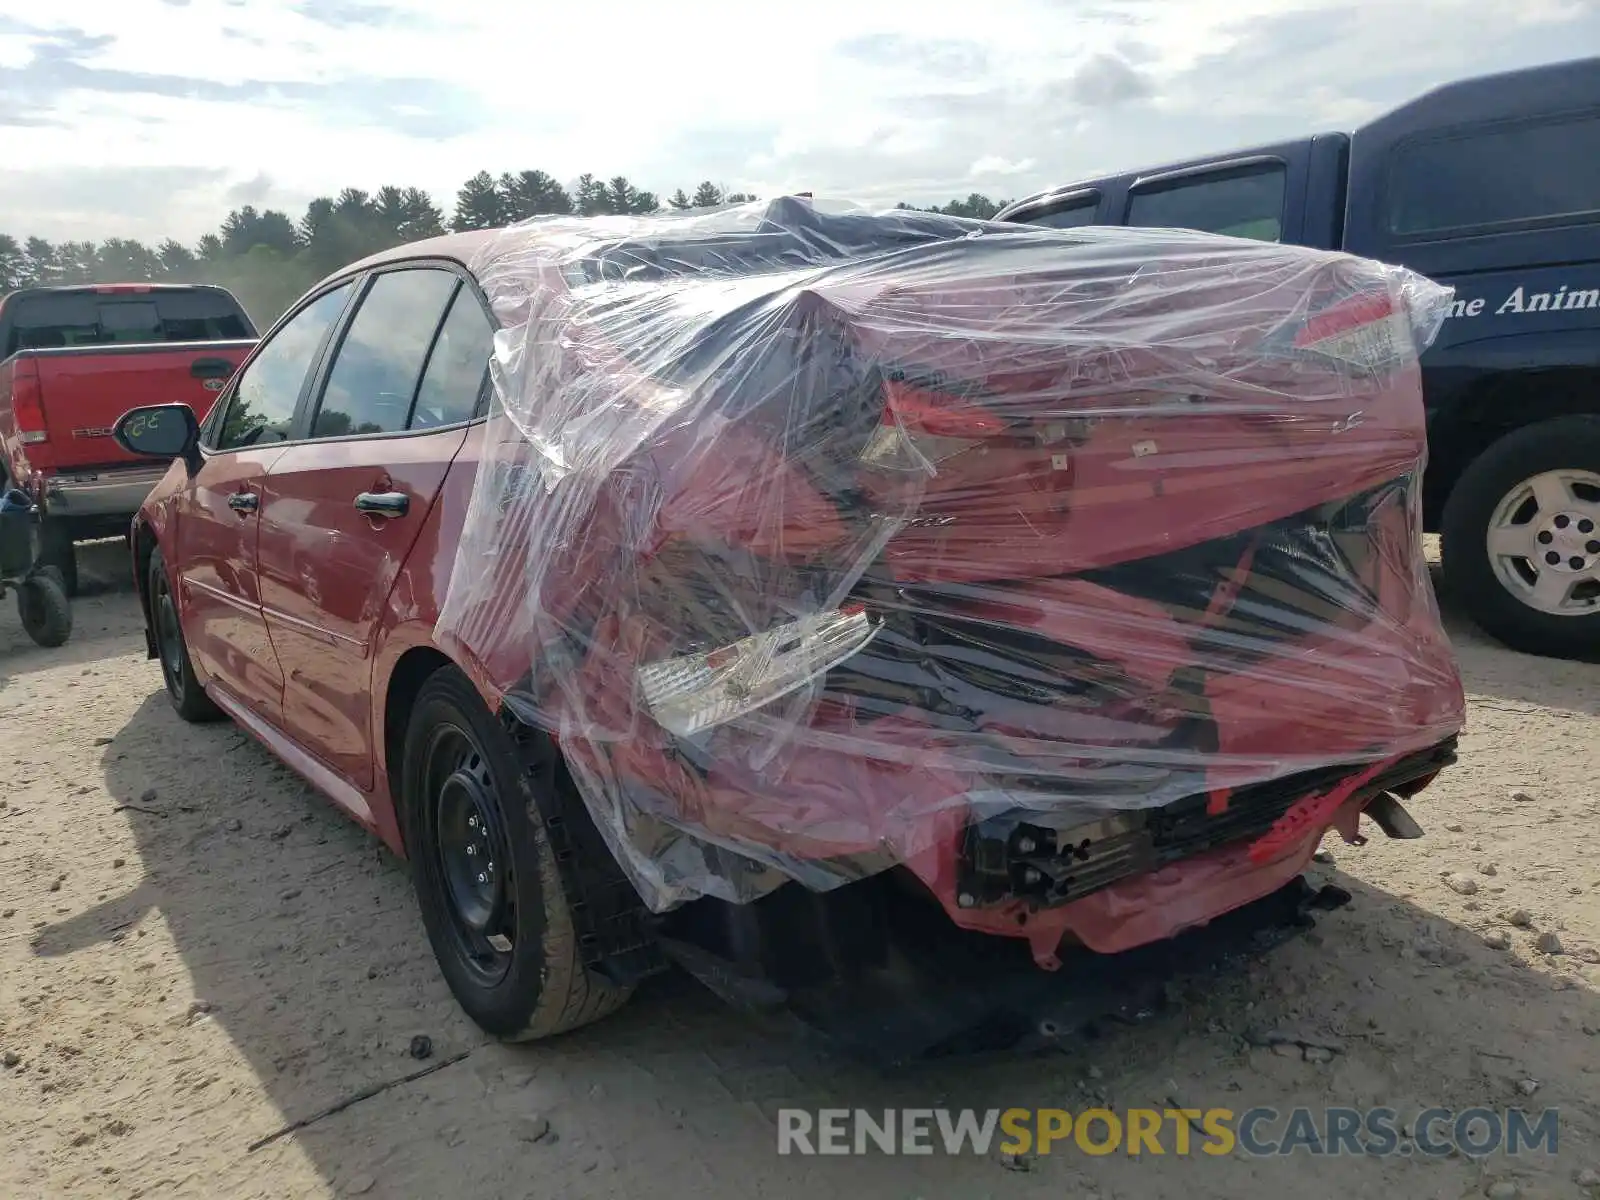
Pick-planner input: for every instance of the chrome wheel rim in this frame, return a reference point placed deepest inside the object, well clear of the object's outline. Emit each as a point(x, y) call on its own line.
point(1544, 542)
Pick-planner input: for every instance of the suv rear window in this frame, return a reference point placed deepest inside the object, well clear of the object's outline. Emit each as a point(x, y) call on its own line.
point(1524, 172)
point(121, 318)
point(1245, 203)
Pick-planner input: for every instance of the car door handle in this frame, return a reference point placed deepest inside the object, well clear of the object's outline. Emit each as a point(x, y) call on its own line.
point(244, 502)
point(383, 504)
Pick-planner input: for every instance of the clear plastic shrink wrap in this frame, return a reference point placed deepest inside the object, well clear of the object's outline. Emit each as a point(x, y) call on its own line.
point(815, 536)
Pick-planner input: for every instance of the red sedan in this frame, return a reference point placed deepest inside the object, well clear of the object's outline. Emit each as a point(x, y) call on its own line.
point(854, 610)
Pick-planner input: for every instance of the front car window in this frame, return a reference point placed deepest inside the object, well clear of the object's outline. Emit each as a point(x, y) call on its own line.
point(1236, 203)
point(375, 373)
point(264, 400)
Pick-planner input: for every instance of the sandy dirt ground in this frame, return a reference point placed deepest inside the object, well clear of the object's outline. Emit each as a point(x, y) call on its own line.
point(196, 951)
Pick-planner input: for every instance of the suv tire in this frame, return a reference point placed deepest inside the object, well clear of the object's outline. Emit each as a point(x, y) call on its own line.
point(1495, 497)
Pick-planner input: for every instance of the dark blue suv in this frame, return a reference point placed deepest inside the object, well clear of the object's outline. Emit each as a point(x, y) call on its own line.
point(1491, 185)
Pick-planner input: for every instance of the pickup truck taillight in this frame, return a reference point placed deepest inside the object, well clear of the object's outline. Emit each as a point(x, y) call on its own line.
point(27, 404)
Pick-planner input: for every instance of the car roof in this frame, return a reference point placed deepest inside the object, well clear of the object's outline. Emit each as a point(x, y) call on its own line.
point(456, 247)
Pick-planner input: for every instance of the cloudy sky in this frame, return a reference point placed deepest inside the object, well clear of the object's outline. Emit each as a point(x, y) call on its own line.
point(150, 118)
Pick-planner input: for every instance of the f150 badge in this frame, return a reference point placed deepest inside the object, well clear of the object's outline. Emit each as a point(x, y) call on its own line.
point(96, 431)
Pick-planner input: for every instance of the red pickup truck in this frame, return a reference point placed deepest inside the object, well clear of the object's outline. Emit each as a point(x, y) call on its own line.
point(74, 359)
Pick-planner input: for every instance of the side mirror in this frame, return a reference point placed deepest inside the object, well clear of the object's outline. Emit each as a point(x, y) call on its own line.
point(160, 431)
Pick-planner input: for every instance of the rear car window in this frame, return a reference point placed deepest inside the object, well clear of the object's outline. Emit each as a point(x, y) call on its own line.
point(1524, 172)
point(458, 366)
point(1236, 203)
point(111, 319)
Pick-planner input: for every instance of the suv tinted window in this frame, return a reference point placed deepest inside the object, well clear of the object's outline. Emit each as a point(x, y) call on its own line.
point(375, 372)
point(1516, 173)
point(87, 318)
point(263, 404)
point(1067, 216)
point(1238, 203)
point(457, 367)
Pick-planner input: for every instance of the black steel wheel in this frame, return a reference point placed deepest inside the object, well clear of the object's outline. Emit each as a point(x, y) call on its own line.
point(487, 884)
point(470, 853)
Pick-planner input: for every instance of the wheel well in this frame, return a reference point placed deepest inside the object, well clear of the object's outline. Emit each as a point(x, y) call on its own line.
point(405, 681)
point(1473, 421)
point(144, 548)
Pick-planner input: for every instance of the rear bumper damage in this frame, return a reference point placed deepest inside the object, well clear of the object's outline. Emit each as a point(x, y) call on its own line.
point(1109, 924)
point(1143, 876)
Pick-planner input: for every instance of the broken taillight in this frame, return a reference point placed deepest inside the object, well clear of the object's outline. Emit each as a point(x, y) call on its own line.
point(1367, 330)
point(693, 692)
point(922, 428)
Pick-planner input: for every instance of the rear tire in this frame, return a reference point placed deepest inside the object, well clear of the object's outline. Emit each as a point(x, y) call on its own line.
point(485, 875)
point(1534, 491)
point(188, 698)
point(43, 606)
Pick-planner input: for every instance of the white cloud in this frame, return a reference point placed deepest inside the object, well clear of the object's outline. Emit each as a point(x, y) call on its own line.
point(993, 164)
point(879, 99)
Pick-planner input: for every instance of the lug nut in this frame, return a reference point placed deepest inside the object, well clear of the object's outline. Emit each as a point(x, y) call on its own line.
point(966, 900)
point(471, 850)
point(482, 878)
point(1026, 845)
point(1031, 875)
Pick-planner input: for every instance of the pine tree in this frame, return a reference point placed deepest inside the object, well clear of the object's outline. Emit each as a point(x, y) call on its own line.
point(479, 204)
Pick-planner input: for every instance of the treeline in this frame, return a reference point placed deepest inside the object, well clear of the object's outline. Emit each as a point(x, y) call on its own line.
point(268, 259)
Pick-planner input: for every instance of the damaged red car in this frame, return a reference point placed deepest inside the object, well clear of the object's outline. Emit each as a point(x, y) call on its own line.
point(931, 630)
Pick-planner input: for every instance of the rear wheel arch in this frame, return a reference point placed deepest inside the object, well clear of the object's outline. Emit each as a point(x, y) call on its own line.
point(411, 670)
point(1493, 408)
point(144, 548)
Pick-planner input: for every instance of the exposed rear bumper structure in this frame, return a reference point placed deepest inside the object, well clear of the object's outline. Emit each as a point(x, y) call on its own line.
point(882, 974)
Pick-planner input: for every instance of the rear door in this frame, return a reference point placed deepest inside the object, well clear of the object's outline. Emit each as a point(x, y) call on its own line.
point(341, 508)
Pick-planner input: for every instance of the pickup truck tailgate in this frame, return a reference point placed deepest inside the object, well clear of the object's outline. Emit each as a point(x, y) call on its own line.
point(83, 390)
